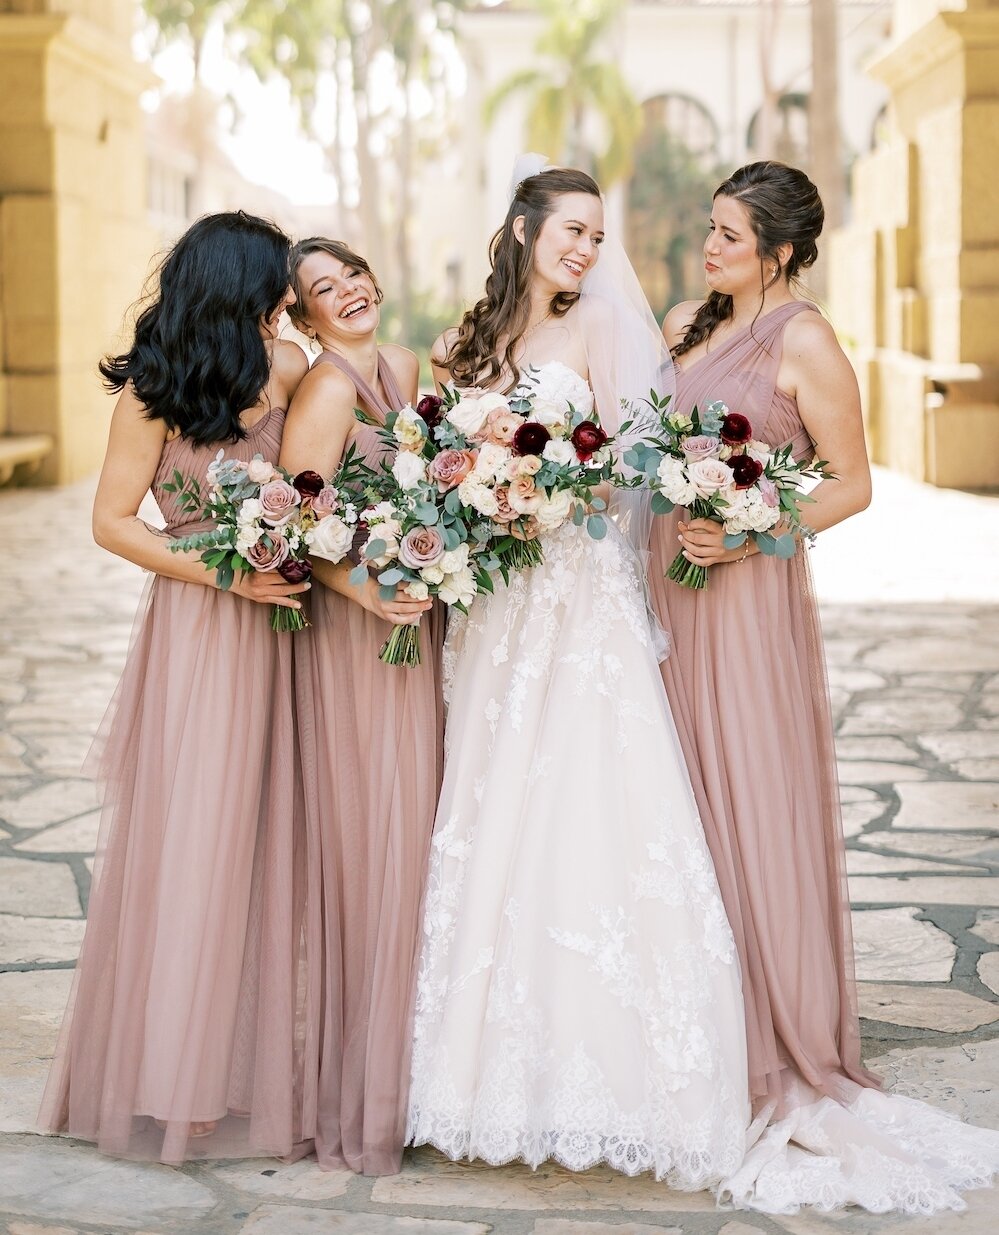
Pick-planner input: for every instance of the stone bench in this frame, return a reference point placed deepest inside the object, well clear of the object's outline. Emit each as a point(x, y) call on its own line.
point(25, 451)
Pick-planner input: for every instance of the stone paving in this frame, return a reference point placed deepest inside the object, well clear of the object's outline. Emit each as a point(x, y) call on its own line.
point(913, 643)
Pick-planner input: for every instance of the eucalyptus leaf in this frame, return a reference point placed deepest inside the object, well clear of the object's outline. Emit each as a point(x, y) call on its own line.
point(766, 544)
point(785, 547)
point(391, 577)
point(596, 525)
point(661, 505)
point(734, 539)
point(387, 591)
point(598, 503)
point(375, 549)
point(359, 575)
point(426, 512)
point(578, 514)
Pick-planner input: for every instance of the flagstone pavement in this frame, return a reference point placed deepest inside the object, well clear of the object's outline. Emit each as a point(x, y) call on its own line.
point(909, 594)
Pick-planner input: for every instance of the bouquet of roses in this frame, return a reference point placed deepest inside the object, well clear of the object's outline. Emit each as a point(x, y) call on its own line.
point(709, 463)
point(265, 519)
point(476, 479)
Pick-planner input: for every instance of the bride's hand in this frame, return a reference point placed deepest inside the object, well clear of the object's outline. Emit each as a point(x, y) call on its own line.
point(401, 610)
point(703, 544)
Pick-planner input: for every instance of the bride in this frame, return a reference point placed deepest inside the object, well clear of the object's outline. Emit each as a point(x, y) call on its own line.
point(578, 993)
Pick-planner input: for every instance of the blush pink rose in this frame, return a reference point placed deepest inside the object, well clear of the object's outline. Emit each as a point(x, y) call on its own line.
point(420, 548)
point(326, 502)
point(450, 468)
point(279, 501)
point(501, 426)
point(702, 447)
point(260, 471)
point(263, 556)
point(709, 476)
point(523, 495)
point(505, 513)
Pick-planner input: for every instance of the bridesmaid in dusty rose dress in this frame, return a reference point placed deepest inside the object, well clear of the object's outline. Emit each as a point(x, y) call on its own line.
point(371, 737)
point(181, 1038)
point(747, 686)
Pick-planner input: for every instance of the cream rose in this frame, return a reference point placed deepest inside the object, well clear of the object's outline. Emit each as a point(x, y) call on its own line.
point(559, 450)
point(554, 510)
point(455, 559)
point(710, 476)
point(408, 430)
point(524, 496)
point(259, 471)
point(468, 415)
point(409, 469)
point(330, 538)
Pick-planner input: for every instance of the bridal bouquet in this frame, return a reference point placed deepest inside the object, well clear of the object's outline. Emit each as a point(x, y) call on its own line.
point(709, 463)
point(266, 519)
point(476, 480)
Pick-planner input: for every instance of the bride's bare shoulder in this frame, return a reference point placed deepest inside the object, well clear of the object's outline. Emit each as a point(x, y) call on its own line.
point(678, 319)
point(442, 345)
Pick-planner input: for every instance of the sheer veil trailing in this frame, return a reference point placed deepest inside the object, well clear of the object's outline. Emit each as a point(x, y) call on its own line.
point(627, 358)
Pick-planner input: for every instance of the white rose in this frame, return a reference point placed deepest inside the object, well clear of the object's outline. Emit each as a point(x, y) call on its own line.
point(455, 560)
point(387, 532)
point(383, 510)
point(553, 388)
point(468, 415)
point(408, 430)
point(330, 538)
point(673, 481)
point(491, 402)
point(249, 511)
point(247, 538)
point(409, 469)
point(554, 510)
point(433, 574)
point(559, 450)
point(479, 496)
point(418, 591)
point(458, 588)
point(710, 476)
point(260, 471)
point(491, 461)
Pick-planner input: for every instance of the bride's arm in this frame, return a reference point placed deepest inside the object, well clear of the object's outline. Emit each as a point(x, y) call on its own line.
point(438, 354)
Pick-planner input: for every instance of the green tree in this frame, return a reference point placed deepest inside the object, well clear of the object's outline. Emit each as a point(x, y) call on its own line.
point(576, 80)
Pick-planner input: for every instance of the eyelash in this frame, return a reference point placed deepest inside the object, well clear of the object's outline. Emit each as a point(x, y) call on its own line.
point(579, 231)
point(352, 274)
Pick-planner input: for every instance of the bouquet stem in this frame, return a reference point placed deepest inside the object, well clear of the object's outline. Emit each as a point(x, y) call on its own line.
point(522, 554)
point(402, 647)
point(687, 574)
point(286, 620)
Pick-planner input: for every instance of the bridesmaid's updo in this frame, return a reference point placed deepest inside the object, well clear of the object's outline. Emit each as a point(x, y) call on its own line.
point(335, 248)
point(475, 357)
point(784, 207)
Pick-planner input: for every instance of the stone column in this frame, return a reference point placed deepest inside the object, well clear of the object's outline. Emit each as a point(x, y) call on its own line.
point(914, 278)
point(74, 240)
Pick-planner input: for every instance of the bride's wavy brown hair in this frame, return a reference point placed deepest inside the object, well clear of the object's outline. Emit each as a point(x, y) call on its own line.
point(784, 207)
point(474, 357)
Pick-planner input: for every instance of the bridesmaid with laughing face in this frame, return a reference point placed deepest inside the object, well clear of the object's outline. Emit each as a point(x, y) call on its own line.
point(371, 735)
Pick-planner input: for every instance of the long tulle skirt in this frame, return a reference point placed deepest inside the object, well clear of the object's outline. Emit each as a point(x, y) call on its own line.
point(189, 1004)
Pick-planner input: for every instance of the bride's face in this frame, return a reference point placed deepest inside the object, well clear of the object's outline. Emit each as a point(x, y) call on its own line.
point(339, 301)
point(568, 243)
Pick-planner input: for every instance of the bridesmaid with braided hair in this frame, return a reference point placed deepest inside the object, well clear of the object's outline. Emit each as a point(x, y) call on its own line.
point(747, 686)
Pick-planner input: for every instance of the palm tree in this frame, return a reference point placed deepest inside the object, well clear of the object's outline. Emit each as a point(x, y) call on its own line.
point(575, 81)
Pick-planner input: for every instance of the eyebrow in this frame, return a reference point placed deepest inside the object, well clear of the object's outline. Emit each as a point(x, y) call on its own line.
point(724, 228)
point(579, 223)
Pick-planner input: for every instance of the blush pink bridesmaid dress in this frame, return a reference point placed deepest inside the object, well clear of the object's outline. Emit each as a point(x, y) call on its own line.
point(747, 686)
point(372, 743)
point(187, 1003)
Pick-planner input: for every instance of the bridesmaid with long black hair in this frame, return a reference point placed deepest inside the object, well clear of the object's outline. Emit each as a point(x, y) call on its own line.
point(181, 1038)
point(371, 735)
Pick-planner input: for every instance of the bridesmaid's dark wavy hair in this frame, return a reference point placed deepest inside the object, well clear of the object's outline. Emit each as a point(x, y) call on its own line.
point(335, 248)
point(784, 207)
point(503, 312)
point(198, 358)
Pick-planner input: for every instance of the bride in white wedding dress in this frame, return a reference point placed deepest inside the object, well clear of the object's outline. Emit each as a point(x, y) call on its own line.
point(578, 992)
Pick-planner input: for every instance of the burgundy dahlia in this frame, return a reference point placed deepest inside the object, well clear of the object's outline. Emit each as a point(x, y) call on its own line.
point(296, 570)
point(309, 484)
point(588, 438)
point(530, 439)
point(746, 470)
point(431, 409)
point(736, 430)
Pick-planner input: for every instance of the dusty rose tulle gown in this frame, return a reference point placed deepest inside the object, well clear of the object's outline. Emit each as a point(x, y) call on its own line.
point(188, 1003)
point(372, 739)
point(747, 686)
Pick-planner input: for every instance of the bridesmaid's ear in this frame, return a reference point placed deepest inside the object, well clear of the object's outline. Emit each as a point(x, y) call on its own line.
point(518, 229)
point(784, 253)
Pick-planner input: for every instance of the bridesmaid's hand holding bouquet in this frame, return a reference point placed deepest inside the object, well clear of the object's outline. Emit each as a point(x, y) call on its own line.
point(709, 463)
point(265, 519)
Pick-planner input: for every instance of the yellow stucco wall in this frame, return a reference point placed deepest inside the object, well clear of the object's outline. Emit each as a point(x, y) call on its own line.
point(915, 275)
point(74, 237)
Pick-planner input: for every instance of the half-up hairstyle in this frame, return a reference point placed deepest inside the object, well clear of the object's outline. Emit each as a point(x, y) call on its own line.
point(784, 207)
point(503, 312)
point(198, 358)
point(335, 248)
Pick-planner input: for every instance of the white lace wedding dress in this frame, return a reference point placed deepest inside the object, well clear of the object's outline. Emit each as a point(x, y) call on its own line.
point(578, 993)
